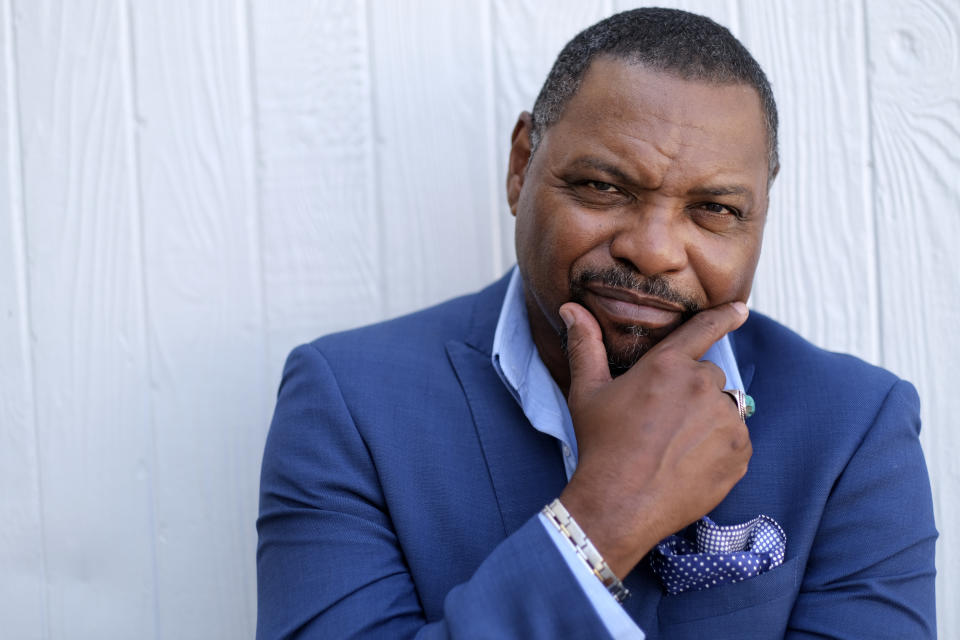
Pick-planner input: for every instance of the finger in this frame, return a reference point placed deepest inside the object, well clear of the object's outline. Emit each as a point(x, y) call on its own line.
point(586, 354)
point(717, 376)
point(695, 336)
point(733, 402)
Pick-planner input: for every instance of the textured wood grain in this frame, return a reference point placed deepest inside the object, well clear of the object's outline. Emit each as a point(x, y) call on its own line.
point(818, 269)
point(445, 242)
point(187, 191)
point(321, 244)
point(914, 61)
point(86, 309)
point(209, 395)
point(22, 559)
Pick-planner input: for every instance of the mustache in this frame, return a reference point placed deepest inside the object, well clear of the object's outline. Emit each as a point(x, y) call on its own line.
point(623, 277)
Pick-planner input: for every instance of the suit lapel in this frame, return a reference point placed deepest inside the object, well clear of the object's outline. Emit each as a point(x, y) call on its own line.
point(525, 465)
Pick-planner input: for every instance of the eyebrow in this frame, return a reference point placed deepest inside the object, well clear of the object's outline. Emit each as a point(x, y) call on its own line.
point(727, 190)
point(600, 165)
point(705, 190)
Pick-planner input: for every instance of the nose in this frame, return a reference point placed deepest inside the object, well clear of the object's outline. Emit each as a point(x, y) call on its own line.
point(652, 240)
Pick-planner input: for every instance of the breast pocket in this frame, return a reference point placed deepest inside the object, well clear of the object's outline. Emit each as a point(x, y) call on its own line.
point(780, 583)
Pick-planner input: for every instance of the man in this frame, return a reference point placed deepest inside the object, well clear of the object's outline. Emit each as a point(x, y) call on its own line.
point(408, 462)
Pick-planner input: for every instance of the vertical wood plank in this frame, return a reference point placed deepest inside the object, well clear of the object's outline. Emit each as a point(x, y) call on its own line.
point(86, 311)
point(321, 253)
point(208, 394)
point(817, 273)
point(433, 98)
point(22, 581)
point(914, 61)
point(527, 36)
point(128, 472)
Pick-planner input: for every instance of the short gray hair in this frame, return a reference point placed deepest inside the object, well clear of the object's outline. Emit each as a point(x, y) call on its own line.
point(687, 45)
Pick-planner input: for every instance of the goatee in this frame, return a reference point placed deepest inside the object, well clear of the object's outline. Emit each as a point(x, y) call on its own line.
point(621, 358)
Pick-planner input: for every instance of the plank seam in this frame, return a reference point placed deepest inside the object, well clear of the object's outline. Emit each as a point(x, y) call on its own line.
point(373, 159)
point(735, 17)
point(496, 227)
point(254, 181)
point(870, 180)
point(250, 55)
point(19, 217)
point(132, 148)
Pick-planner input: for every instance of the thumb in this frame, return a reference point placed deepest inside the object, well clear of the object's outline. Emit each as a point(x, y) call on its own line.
point(589, 367)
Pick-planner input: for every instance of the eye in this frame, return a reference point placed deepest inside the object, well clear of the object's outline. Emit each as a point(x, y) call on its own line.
point(597, 194)
point(604, 187)
point(720, 209)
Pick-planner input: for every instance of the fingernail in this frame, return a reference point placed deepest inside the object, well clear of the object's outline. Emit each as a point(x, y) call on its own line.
point(567, 317)
point(740, 307)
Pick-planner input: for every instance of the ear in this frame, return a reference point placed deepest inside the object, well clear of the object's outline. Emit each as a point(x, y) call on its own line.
point(519, 158)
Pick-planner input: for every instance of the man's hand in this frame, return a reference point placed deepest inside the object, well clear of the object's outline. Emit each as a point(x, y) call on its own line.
point(661, 445)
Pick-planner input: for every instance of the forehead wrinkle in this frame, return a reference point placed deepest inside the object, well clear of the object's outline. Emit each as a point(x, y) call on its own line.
point(649, 133)
point(658, 140)
point(672, 145)
point(674, 175)
point(653, 168)
point(676, 134)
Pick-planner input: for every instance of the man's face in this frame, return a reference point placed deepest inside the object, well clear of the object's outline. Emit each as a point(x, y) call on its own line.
point(645, 202)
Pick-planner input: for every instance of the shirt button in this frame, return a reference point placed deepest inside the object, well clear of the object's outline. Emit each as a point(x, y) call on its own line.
point(566, 451)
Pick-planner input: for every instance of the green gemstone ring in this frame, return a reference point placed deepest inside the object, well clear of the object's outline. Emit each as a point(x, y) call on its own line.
point(745, 404)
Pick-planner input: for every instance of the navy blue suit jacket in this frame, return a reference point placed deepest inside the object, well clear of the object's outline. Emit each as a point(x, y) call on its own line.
point(401, 484)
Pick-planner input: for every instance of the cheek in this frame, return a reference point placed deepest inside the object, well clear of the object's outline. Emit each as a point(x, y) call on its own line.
point(554, 238)
point(726, 272)
point(550, 236)
point(572, 244)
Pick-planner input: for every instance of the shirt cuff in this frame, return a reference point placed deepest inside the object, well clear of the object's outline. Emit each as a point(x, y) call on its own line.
point(618, 622)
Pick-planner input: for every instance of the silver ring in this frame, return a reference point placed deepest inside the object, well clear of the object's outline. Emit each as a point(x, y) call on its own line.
point(745, 404)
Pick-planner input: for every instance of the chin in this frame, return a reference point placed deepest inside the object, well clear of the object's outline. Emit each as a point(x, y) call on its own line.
point(628, 346)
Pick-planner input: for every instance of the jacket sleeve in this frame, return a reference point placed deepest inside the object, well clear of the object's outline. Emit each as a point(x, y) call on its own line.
point(616, 620)
point(328, 561)
point(871, 570)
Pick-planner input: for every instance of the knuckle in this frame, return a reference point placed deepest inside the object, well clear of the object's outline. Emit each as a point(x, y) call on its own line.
point(575, 342)
point(715, 373)
point(660, 364)
point(578, 346)
point(701, 381)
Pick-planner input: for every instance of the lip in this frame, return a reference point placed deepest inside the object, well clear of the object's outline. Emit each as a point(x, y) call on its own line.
point(629, 307)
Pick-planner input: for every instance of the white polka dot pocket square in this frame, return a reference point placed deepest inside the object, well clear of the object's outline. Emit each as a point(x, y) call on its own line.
point(719, 555)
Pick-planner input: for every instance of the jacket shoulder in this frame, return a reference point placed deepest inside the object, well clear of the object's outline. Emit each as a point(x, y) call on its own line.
point(764, 340)
point(419, 336)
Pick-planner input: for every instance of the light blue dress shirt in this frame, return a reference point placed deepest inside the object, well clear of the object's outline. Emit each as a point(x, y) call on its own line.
point(518, 364)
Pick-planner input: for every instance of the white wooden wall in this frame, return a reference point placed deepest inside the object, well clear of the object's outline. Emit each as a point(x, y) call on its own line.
point(190, 188)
